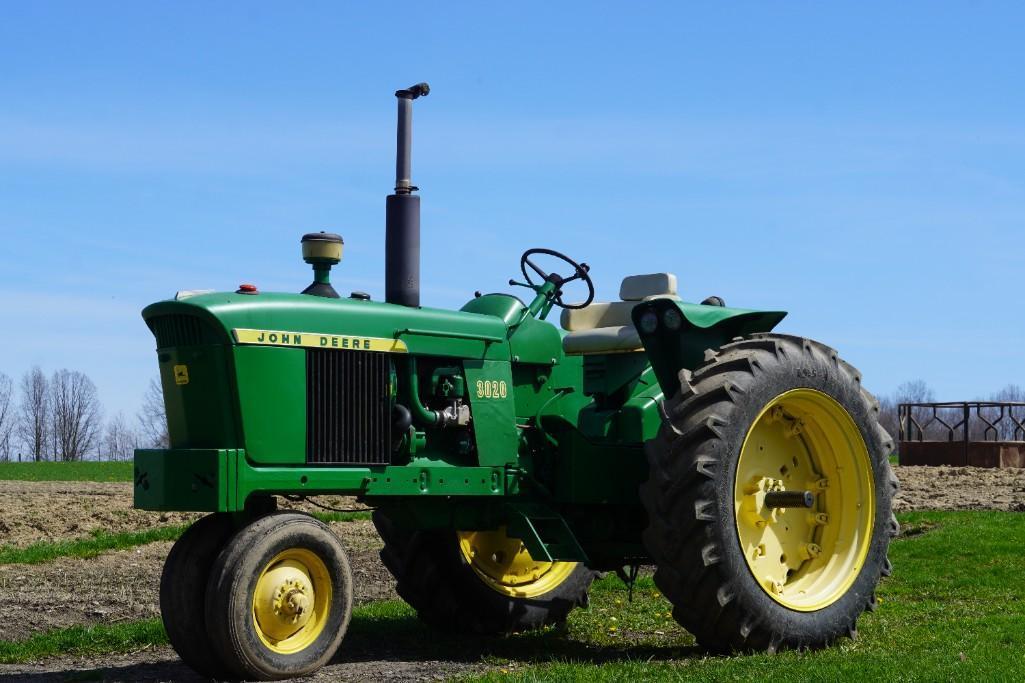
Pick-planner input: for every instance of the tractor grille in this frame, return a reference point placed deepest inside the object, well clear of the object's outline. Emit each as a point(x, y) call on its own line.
point(181, 330)
point(348, 407)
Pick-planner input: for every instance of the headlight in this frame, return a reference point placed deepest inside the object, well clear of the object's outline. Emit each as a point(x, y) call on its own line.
point(649, 322)
point(672, 318)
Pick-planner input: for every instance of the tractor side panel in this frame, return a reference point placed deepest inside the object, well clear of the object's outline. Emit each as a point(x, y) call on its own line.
point(272, 400)
point(593, 472)
point(189, 480)
point(197, 387)
point(639, 419)
point(490, 387)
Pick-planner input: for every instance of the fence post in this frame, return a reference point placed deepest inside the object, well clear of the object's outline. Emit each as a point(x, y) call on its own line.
point(964, 430)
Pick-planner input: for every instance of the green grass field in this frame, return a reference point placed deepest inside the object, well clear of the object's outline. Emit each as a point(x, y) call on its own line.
point(83, 640)
point(953, 610)
point(66, 471)
point(99, 542)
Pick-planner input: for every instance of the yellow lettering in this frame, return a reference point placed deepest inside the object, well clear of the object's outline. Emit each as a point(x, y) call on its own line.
point(314, 339)
point(490, 388)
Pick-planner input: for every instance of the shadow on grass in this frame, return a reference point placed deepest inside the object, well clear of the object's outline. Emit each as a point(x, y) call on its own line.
point(395, 639)
point(406, 638)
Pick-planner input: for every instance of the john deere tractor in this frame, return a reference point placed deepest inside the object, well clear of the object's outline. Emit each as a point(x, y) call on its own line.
point(507, 461)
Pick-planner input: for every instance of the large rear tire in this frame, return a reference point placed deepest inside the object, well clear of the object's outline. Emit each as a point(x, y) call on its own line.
point(479, 582)
point(183, 592)
point(762, 415)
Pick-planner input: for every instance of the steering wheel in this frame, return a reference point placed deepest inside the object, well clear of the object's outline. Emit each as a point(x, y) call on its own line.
point(579, 273)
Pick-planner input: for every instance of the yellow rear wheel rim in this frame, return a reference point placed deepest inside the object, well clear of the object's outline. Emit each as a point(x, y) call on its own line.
point(805, 559)
point(504, 565)
point(292, 600)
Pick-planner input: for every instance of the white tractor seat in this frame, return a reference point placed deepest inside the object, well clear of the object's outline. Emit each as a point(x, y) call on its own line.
point(619, 339)
point(608, 327)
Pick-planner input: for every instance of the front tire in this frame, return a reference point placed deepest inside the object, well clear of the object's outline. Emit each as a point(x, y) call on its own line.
point(183, 592)
point(762, 415)
point(479, 582)
point(279, 598)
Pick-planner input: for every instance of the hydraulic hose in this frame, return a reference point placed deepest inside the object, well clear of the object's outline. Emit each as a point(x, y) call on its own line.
point(421, 413)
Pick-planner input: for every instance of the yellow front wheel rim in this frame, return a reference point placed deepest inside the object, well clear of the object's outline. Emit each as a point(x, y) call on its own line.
point(805, 559)
point(291, 600)
point(504, 565)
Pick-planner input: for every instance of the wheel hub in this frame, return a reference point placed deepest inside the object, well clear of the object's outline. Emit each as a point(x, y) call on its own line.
point(787, 540)
point(505, 565)
point(283, 599)
point(804, 499)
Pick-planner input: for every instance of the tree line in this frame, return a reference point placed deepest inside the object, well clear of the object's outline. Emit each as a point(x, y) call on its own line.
point(938, 425)
point(60, 417)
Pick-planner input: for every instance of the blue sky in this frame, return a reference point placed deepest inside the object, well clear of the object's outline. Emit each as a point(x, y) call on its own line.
point(861, 165)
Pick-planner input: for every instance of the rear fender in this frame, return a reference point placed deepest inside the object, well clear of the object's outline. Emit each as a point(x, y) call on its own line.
point(701, 327)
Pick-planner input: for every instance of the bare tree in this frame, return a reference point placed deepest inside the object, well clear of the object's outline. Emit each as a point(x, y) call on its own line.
point(34, 412)
point(6, 416)
point(153, 418)
point(1008, 421)
point(75, 414)
point(918, 391)
point(119, 440)
point(914, 391)
point(888, 417)
point(1012, 393)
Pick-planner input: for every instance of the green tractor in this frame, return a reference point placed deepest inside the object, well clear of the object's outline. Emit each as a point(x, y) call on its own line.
point(507, 462)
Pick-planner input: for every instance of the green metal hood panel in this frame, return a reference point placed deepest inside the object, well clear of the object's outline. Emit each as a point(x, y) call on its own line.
point(423, 330)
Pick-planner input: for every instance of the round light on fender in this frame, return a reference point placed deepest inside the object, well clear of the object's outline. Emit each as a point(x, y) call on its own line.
point(672, 318)
point(648, 322)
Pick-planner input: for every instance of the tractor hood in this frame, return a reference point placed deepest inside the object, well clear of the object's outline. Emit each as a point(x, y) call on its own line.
point(296, 320)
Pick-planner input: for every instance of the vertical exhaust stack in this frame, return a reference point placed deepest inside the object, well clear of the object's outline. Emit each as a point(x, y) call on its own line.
point(402, 213)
